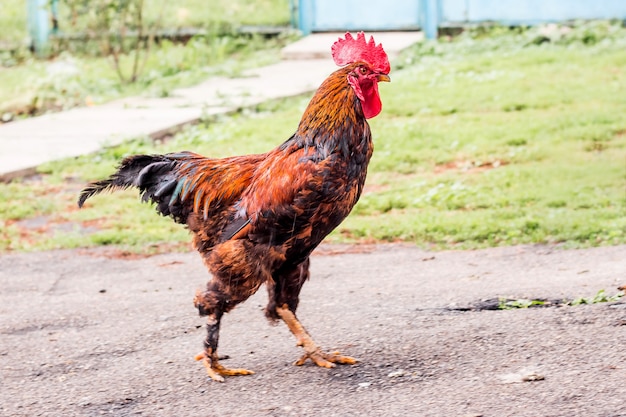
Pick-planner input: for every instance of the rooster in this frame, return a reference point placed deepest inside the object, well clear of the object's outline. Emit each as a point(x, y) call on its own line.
point(255, 219)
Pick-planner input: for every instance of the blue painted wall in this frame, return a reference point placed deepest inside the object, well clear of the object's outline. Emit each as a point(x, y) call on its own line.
point(529, 11)
point(327, 15)
point(38, 24)
point(386, 15)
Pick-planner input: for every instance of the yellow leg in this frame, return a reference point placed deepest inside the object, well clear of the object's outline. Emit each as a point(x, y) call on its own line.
point(311, 350)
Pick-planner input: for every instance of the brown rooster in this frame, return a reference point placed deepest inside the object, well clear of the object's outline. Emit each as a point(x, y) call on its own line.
point(256, 219)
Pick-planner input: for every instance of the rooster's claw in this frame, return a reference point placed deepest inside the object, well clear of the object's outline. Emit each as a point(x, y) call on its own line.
point(325, 360)
point(216, 371)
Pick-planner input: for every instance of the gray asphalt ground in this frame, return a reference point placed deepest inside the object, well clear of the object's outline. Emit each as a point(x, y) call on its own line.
point(87, 333)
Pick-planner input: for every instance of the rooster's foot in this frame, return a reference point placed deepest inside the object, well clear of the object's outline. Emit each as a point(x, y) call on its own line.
point(325, 360)
point(311, 349)
point(215, 370)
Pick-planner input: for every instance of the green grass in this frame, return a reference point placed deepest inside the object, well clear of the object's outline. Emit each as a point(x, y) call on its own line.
point(13, 21)
point(481, 142)
point(600, 297)
point(182, 13)
point(502, 145)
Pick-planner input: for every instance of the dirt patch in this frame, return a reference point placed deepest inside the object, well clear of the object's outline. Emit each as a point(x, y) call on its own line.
point(146, 252)
point(33, 228)
point(469, 166)
point(333, 250)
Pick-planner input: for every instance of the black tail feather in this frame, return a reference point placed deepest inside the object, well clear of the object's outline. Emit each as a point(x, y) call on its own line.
point(134, 171)
point(159, 178)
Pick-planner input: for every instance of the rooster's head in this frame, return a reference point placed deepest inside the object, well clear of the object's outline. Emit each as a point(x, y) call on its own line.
point(368, 64)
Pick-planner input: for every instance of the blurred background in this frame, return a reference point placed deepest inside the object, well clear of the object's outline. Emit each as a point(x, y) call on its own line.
point(505, 125)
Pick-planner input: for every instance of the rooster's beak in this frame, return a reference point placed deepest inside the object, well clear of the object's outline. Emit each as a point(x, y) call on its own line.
point(383, 77)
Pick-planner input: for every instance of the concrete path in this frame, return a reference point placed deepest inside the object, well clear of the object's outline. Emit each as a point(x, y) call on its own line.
point(83, 333)
point(28, 143)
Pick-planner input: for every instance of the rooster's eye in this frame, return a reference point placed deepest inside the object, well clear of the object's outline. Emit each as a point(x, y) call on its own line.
point(363, 70)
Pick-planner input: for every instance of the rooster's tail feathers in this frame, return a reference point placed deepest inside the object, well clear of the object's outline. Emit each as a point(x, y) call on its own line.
point(180, 183)
point(152, 174)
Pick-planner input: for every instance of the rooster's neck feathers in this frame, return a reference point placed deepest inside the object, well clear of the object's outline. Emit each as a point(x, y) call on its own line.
point(333, 115)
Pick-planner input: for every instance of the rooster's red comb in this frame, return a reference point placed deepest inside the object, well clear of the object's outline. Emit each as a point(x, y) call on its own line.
point(349, 50)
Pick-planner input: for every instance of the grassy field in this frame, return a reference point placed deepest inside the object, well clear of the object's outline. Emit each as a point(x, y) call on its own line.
point(483, 141)
point(182, 13)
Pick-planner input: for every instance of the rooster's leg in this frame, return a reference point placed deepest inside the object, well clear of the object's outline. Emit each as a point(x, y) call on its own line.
point(210, 360)
point(311, 349)
point(209, 357)
point(284, 291)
